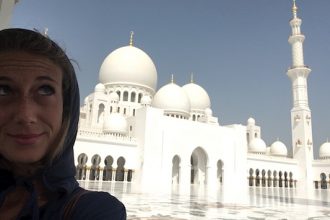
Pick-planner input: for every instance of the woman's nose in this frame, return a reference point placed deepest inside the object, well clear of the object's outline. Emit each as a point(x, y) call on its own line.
point(25, 111)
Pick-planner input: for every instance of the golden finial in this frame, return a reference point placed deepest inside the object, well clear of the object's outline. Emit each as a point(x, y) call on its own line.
point(46, 32)
point(172, 78)
point(131, 39)
point(192, 78)
point(294, 9)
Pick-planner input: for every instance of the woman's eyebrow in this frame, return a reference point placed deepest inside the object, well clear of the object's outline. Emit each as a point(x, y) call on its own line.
point(48, 78)
point(45, 78)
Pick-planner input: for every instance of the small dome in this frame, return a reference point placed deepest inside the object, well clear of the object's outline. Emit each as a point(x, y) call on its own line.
point(324, 150)
point(99, 88)
point(115, 123)
point(208, 112)
point(113, 96)
point(257, 145)
point(278, 149)
point(146, 100)
point(173, 99)
point(251, 121)
point(199, 99)
point(86, 100)
point(129, 65)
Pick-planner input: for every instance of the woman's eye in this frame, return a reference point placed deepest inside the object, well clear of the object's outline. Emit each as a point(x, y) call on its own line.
point(4, 90)
point(46, 90)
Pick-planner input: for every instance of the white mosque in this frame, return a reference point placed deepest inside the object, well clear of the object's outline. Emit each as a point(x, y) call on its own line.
point(169, 138)
point(131, 132)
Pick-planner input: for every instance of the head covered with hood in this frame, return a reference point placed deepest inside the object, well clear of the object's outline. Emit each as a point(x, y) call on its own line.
point(56, 170)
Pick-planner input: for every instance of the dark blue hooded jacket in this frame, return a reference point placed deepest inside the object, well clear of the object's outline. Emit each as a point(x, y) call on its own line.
point(58, 179)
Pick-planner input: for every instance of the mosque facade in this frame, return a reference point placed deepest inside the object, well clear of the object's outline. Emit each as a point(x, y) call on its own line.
point(168, 138)
point(159, 139)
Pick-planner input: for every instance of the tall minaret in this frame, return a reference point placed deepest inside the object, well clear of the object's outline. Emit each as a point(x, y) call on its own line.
point(301, 120)
point(6, 10)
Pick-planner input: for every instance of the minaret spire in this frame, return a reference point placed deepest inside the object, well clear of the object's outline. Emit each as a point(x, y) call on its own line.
point(192, 78)
point(131, 39)
point(294, 9)
point(301, 120)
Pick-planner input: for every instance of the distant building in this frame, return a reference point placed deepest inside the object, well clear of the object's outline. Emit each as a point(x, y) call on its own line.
point(6, 10)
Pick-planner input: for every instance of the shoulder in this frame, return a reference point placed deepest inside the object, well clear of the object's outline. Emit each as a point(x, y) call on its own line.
point(98, 205)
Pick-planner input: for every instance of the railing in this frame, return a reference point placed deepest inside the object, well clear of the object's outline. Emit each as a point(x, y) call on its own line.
point(99, 134)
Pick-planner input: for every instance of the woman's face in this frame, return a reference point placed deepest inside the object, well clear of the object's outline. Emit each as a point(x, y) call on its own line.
point(31, 106)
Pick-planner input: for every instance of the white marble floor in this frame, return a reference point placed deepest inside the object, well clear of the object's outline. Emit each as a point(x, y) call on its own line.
point(263, 204)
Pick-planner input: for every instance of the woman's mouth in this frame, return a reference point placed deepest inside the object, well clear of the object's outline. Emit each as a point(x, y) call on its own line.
point(26, 139)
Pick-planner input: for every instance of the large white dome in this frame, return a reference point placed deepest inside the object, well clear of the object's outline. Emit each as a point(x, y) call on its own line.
point(257, 145)
point(115, 123)
point(129, 65)
point(278, 149)
point(324, 152)
point(199, 99)
point(173, 99)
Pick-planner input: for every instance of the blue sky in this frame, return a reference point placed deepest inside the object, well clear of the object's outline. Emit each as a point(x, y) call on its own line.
point(237, 50)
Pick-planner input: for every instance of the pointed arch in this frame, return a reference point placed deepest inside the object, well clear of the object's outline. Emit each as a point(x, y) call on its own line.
point(257, 177)
point(81, 167)
point(100, 114)
point(323, 181)
point(220, 171)
point(118, 93)
point(199, 161)
point(133, 97)
point(120, 172)
point(251, 178)
point(125, 96)
point(269, 178)
point(263, 178)
point(95, 169)
point(140, 97)
point(107, 170)
point(176, 169)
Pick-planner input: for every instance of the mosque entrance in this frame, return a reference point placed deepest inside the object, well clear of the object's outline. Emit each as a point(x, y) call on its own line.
point(198, 162)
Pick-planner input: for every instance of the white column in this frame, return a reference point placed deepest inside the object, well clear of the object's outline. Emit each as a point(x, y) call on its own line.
point(185, 178)
point(113, 177)
point(125, 175)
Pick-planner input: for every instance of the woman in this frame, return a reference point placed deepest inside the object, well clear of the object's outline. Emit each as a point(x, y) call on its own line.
point(39, 112)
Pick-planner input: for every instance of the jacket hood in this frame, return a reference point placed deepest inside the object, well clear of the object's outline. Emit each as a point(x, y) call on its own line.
point(60, 175)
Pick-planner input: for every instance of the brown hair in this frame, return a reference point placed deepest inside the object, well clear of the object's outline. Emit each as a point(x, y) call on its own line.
point(16, 39)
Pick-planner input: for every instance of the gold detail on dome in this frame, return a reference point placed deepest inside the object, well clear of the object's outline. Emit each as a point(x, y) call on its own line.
point(192, 78)
point(131, 38)
point(45, 32)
